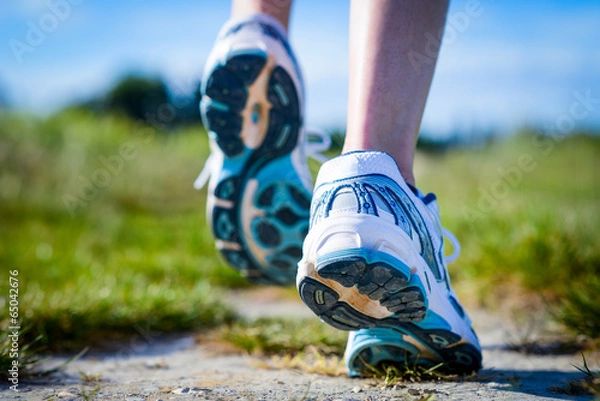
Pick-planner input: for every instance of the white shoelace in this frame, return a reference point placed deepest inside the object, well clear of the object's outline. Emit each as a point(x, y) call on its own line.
point(316, 142)
point(206, 172)
point(455, 246)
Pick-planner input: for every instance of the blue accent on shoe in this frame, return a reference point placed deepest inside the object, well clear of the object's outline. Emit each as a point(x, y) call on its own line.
point(433, 321)
point(378, 275)
point(366, 255)
point(363, 206)
point(371, 193)
point(409, 345)
point(264, 243)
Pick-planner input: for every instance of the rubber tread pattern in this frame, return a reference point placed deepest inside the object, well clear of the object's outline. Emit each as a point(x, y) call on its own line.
point(227, 90)
point(380, 282)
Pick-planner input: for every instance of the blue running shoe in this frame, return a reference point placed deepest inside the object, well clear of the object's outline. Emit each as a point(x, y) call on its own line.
point(260, 186)
point(373, 264)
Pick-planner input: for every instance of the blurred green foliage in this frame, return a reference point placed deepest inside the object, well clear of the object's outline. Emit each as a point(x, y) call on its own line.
point(98, 214)
point(137, 96)
point(107, 240)
point(527, 213)
point(150, 100)
point(283, 336)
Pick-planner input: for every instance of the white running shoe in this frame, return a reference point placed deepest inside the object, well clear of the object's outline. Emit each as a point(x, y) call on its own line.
point(373, 262)
point(260, 186)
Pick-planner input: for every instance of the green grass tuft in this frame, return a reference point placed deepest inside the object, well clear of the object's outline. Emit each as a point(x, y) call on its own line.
point(26, 355)
point(580, 309)
point(135, 253)
point(270, 336)
point(390, 375)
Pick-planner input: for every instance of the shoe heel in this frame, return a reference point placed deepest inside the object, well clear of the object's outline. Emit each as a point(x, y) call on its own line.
point(351, 290)
point(380, 277)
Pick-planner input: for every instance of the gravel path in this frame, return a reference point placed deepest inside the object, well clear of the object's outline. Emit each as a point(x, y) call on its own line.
point(176, 368)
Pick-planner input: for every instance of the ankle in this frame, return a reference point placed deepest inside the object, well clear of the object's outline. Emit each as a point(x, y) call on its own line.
point(273, 12)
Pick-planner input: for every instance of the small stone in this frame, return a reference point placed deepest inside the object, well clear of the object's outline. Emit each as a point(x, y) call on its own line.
point(413, 391)
point(64, 394)
point(194, 390)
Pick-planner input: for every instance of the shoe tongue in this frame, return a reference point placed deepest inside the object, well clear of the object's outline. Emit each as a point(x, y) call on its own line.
point(266, 21)
point(430, 200)
point(416, 191)
point(359, 163)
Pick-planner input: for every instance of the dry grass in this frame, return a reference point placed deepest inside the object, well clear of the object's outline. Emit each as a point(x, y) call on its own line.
point(308, 361)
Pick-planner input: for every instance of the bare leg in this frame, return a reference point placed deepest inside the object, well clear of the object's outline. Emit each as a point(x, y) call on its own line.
point(387, 92)
point(278, 9)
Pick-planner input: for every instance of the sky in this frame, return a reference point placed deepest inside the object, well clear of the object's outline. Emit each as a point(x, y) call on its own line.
point(510, 64)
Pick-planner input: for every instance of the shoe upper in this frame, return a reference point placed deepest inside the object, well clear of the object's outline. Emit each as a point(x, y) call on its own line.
point(364, 192)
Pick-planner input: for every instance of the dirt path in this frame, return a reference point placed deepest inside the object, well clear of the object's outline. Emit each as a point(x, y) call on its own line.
point(175, 368)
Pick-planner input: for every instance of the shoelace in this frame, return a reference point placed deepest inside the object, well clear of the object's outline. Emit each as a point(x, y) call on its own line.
point(455, 246)
point(316, 142)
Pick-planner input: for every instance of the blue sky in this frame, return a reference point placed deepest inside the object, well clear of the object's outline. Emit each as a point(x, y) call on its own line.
point(516, 63)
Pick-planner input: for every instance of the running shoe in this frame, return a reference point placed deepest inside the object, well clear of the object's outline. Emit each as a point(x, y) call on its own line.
point(259, 184)
point(373, 264)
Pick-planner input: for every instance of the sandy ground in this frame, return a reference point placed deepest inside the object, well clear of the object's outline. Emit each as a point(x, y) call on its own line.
point(176, 368)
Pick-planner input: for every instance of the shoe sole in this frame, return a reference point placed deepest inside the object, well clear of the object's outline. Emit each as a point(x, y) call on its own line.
point(355, 290)
point(251, 93)
point(408, 346)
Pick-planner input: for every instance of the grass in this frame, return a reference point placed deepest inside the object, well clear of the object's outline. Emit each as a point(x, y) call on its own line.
point(90, 378)
point(391, 375)
point(26, 355)
point(274, 336)
point(308, 361)
point(135, 256)
point(526, 229)
point(588, 385)
point(310, 346)
point(591, 377)
point(306, 345)
point(132, 253)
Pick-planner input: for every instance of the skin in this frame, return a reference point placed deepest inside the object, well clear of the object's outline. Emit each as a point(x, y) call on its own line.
point(387, 88)
point(387, 94)
point(278, 9)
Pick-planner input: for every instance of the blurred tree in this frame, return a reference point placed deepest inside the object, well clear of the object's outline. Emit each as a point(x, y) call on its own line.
point(138, 97)
point(150, 100)
point(3, 96)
